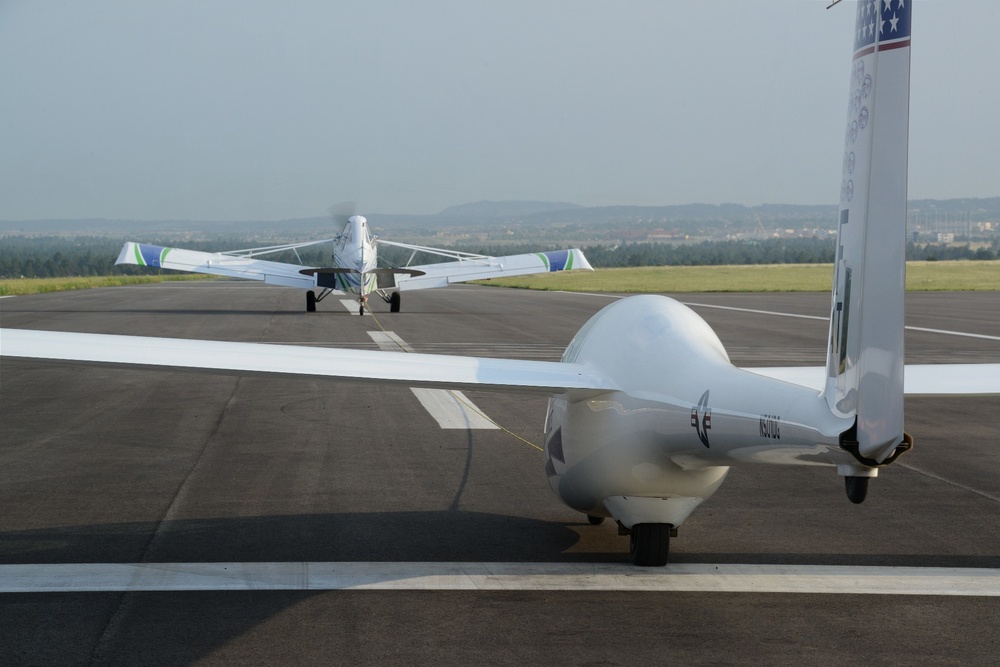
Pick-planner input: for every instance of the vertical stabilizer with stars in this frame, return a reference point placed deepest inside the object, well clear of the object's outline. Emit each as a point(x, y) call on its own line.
point(865, 354)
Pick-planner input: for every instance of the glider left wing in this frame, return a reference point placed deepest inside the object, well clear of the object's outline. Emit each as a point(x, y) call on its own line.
point(410, 369)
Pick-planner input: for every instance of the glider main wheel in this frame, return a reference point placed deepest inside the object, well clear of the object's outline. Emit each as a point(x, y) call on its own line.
point(394, 300)
point(310, 301)
point(649, 544)
point(595, 520)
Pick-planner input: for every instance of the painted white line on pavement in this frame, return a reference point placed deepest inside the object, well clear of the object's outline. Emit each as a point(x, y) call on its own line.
point(451, 409)
point(954, 333)
point(388, 341)
point(351, 305)
point(751, 310)
point(825, 319)
point(708, 578)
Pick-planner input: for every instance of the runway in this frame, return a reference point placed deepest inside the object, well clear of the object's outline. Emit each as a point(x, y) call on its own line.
point(117, 473)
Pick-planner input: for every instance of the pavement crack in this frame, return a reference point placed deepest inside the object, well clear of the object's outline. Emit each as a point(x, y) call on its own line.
point(958, 485)
point(102, 647)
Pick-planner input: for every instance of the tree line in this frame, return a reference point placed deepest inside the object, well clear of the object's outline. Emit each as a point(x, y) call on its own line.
point(58, 256)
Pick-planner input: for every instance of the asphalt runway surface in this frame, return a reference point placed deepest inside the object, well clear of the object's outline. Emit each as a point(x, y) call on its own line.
point(102, 465)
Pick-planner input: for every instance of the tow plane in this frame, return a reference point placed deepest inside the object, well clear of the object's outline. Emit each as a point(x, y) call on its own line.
point(355, 268)
point(646, 414)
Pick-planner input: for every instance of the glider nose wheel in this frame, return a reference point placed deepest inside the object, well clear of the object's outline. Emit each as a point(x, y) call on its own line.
point(649, 544)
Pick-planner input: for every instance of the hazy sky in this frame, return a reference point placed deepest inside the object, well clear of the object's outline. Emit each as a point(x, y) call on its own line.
point(229, 110)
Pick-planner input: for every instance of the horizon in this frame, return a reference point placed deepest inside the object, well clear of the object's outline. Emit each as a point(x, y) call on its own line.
point(174, 110)
point(569, 206)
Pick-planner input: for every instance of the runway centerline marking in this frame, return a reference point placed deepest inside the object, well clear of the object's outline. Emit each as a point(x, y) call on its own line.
point(471, 576)
point(451, 409)
point(351, 305)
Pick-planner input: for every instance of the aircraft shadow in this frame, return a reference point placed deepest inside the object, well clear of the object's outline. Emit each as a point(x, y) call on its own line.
point(381, 536)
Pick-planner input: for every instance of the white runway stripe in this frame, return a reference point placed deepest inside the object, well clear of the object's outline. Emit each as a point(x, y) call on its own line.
point(389, 341)
point(708, 578)
point(954, 333)
point(815, 317)
point(351, 305)
point(450, 409)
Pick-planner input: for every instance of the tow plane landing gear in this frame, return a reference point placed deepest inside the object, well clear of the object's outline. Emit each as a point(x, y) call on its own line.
point(312, 299)
point(393, 300)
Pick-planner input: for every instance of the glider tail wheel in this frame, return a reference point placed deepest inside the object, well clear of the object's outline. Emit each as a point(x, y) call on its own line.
point(310, 301)
point(857, 488)
point(595, 520)
point(649, 544)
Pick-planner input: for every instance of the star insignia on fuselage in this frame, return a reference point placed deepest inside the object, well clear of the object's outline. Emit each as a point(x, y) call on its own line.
point(701, 418)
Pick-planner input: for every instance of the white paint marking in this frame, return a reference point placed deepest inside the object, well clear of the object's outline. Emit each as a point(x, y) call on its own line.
point(451, 409)
point(815, 317)
point(602, 295)
point(388, 341)
point(759, 312)
point(954, 333)
point(722, 578)
point(351, 305)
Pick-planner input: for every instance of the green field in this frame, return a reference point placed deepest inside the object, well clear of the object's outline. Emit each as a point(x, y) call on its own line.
point(960, 276)
point(957, 276)
point(20, 286)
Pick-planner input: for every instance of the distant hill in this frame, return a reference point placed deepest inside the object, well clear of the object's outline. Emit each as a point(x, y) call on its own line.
point(505, 209)
point(699, 219)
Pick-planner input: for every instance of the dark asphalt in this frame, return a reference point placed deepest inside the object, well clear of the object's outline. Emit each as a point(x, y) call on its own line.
point(113, 465)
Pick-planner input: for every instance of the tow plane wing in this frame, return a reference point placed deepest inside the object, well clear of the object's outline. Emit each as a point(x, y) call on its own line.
point(355, 269)
point(465, 267)
point(234, 264)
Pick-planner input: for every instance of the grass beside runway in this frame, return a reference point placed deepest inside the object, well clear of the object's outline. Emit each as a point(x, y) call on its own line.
point(956, 276)
point(952, 276)
point(24, 286)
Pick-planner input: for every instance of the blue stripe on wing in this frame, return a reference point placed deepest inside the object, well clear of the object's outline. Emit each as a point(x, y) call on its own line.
point(151, 254)
point(557, 259)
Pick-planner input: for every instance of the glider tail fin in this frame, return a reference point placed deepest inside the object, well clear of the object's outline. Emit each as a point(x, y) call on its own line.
point(865, 353)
